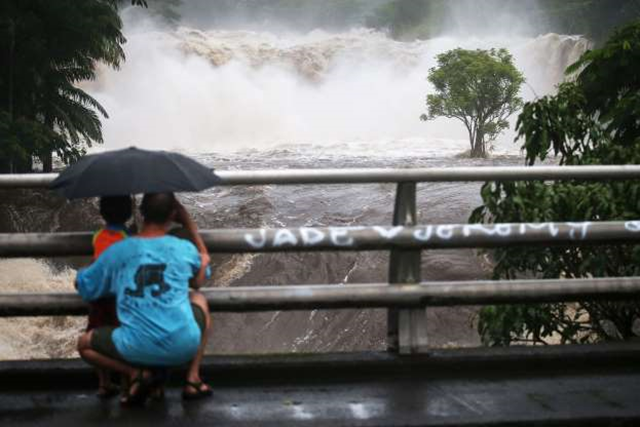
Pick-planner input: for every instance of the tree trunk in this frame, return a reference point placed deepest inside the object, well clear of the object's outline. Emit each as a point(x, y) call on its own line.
point(47, 162)
point(12, 46)
point(46, 156)
point(6, 163)
point(471, 139)
point(478, 149)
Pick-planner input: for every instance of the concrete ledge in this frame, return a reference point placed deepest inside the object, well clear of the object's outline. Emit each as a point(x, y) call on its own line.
point(449, 363)
point(523, 386)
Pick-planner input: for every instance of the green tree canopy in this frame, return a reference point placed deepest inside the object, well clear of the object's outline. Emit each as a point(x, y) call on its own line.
point(49, 46)
point(593, 120)
point(478, 87)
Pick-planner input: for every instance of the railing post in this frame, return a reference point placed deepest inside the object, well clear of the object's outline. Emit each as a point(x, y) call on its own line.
point(406, 329)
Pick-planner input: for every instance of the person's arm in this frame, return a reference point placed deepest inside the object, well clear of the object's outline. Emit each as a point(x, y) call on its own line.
point(201, 277)
point(94, 281)
point(183, 218)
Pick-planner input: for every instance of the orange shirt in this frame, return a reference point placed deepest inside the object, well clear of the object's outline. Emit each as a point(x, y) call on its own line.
point(106, 237)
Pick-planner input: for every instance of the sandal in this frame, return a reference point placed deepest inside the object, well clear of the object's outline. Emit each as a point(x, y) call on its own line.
point(139, 397)
point(202, 390)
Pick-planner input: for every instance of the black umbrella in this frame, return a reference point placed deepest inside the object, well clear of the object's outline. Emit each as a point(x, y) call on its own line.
point(133, 171)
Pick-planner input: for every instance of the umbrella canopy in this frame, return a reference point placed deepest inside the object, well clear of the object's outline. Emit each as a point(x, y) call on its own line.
point(133, 171)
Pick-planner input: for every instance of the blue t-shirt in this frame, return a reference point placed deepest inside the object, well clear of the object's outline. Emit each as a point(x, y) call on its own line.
point(150, 279)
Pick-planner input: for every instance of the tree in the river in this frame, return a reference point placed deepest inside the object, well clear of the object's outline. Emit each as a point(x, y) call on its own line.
point(479, 88)
point(47, 48)
point(593, 120)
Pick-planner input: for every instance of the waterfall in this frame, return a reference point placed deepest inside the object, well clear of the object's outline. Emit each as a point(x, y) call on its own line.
point(213, 91)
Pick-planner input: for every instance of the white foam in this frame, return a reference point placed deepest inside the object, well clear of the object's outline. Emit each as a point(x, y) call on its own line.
point(42, 337)
point(226, 90)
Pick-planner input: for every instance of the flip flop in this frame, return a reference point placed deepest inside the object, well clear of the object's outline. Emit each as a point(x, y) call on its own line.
point(199, 393)
point(141, 394)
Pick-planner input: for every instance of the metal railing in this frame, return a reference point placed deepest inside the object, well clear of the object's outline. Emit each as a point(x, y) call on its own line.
point(373, 175)
point(405, 296)
point(381, 295)
point(353, 238)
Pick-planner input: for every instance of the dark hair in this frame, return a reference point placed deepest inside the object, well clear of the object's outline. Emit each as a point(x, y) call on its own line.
point(116, 209)
point(157, 208)
point(181, 233)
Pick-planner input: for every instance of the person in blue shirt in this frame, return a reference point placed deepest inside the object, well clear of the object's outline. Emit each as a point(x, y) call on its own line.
point(162, 322)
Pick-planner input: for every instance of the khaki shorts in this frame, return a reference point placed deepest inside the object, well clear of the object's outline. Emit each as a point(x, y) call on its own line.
point(102, 338)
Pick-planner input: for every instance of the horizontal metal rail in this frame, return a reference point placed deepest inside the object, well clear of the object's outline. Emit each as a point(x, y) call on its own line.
point(443, 236)
point(366, 176)
point(433, 294)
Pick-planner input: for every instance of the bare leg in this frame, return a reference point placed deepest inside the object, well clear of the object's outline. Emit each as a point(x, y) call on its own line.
point(193, 372)
point(106, 388)
point(104, 378)
point(101, 361)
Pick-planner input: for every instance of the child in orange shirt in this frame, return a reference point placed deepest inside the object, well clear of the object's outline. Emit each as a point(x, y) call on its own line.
point(116, 211)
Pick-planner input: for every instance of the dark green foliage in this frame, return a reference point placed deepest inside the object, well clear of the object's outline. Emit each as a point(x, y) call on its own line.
point(167, 10)
point(595, 19)
point(593, 120)
point(49, 46)
point(295, 14)
point(478, 87)
point(406, 18)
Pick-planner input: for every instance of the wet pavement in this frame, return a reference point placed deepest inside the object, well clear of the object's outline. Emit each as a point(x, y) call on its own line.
point(587, 387)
